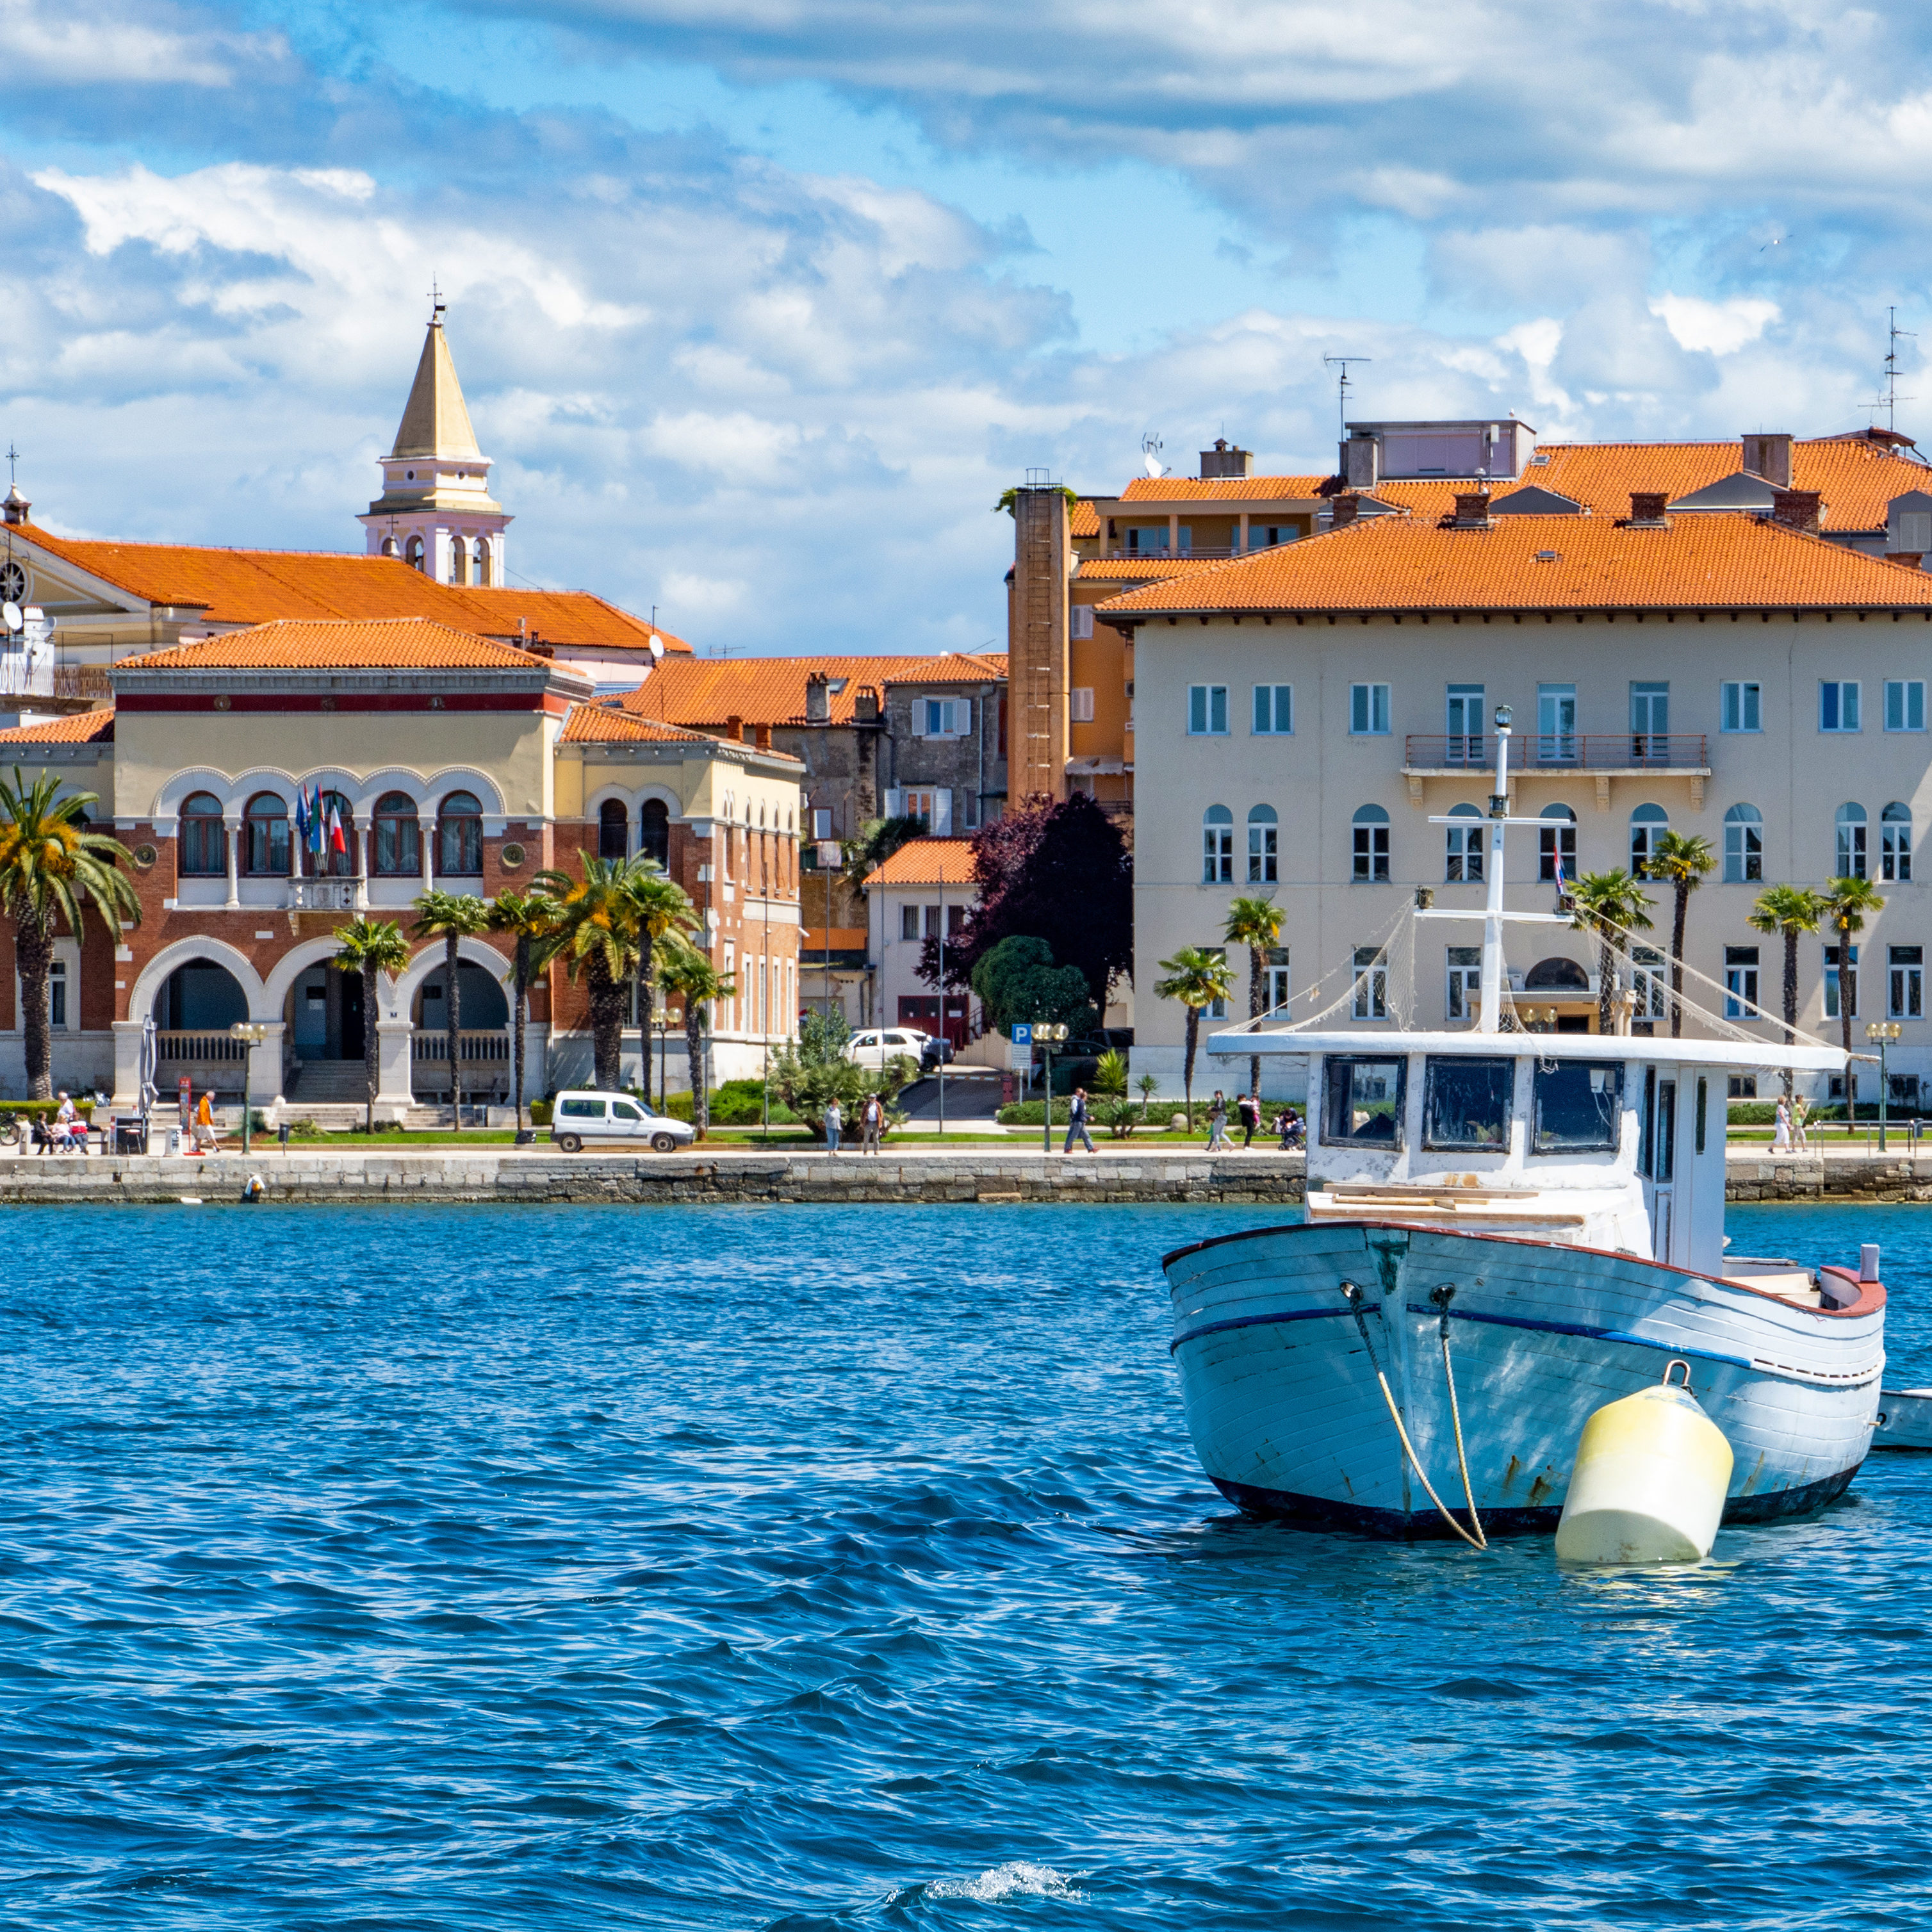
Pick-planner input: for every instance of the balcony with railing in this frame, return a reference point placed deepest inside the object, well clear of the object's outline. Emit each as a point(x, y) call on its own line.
point(1686, 753)
point(175, 1049)
point(323, 895)
point(28, 675)
point(483, 1047)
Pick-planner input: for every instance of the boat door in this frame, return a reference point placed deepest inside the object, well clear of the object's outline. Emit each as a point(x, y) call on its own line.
point(1656, 1155)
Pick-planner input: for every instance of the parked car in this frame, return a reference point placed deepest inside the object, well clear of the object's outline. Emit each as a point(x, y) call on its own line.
point(878, 1045)
point(583, 1118)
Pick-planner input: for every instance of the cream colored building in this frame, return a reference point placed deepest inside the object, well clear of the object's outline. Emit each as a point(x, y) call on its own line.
point(1304, 713)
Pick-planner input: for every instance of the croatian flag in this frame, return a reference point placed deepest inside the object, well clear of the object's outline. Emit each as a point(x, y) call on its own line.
point(336, 842)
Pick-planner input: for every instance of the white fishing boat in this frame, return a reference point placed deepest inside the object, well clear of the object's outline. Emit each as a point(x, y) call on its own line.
point(1506, 1229)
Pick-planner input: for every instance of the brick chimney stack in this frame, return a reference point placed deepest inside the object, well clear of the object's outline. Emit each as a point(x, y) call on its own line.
point(734, 728)
point(818, 699)
point(1472, 510)
point(1647, 509)
point(1913, 560)
point(1796, 509)
point(1347, 508)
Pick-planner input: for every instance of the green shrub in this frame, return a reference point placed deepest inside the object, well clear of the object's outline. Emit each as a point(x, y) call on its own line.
point(46, 1109)
point(738, 1103)
point(540, 1113)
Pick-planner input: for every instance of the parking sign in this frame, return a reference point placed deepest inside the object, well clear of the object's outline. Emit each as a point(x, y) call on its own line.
point(1023, 1034)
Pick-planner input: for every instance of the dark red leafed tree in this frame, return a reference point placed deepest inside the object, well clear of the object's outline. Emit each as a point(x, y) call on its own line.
point(1061, 873)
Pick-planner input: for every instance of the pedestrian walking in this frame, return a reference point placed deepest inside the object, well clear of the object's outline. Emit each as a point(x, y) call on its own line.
point(1217, 1125)
point(1249, 1108)
point(832, 1124)
point(872, 1119)
point(1076, 1121)
point(1801, 1110)
point(1781, 1140)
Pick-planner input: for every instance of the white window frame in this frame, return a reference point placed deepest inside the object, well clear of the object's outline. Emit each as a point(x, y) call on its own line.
point(1278, 984)
point(1080, 704)
point(1217, 1010)
point(1831, 983)
point(945, 717)
point(1205, 703)
point(1263, 850)
point(1650, 981)
point(1370, 998)
point(1905, 984)
point(1371, 707)
point(1464, 848)
point(1843, 704)
point(1217, 848)
point(1894, 848)
point(908, 922)
point(1742, 865)
point(1371, 856)
point(1741, 983)
point(1905, 700)
point(1851, 844)
point(1273, 703)
point(1743, 699)
point(1462, 987)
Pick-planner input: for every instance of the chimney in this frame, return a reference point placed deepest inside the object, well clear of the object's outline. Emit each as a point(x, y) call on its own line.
point(1647, 510)
point(734, 728)
point(1472, 510)
point(1347, 508)
point(16, 507)
point(1913, 560)
point(1768, 453)
point(1225, 459)
point(761, 737)
point(1361, 462)
point(865, 705)
point(1796, 509)
point(818, 700)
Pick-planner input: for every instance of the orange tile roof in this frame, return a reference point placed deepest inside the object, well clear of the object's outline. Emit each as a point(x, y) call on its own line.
point(927, 861)
point(844, 939)
point(259, 587)
point(1220, 489)
point(602, 723)
point(771, 690)
point(78, 727)
point(398, 643)
point(1595, 563)
point(1132, 569)
point(1083, 520)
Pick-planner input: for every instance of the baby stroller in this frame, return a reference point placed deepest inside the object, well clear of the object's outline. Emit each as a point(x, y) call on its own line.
point(1293, 1131)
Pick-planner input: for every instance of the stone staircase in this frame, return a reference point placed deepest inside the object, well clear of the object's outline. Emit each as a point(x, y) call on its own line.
point(326, 1083)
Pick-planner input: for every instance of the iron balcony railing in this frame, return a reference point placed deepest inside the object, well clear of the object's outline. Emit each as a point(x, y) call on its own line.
point(322, 895)
point(484, 1047)
point(1562, 750)
point(23, 675)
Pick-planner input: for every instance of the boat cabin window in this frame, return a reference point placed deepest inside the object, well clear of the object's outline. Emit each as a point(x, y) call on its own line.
point(1364, 1102)
point(1466, 1103)
point(1578, 1107)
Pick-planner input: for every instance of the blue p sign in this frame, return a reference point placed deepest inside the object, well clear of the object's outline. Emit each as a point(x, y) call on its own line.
point(1023, 1034)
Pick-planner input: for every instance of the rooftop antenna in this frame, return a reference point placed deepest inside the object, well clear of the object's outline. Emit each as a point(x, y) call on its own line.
point(1151, 448)
point(1342, 389)
point(1891, 398)
point(436, 303)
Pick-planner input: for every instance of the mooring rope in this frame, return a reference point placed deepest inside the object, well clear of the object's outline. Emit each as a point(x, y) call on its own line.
point(1442, 1296)
point(1353, 1296)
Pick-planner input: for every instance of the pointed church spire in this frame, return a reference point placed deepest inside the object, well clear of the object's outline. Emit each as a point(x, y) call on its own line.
point(436, 421)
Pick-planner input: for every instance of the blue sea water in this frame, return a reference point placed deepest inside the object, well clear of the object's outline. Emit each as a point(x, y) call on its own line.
point(817, 1568)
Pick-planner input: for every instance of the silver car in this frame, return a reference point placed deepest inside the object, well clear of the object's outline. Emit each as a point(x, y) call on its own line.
point(583, 1118)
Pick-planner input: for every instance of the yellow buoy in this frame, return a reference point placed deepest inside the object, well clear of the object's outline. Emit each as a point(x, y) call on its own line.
point(1649, 1481)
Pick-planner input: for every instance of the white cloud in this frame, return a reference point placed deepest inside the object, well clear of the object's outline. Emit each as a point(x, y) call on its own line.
point(80, 45)
point(1717, 328)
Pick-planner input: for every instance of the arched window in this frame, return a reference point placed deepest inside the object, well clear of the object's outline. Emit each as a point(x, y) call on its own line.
point(1852, 841)
point(1895, 835)
point(459, 561)
point(413, 556)
point(654, 831)
point(1556, 976)
point(1743, 845)
point(1217, 846)
point(482, 561)
point(265, 831)
point(1556, 844)
point(613, 830)
point(1372, 846)
point(398, 849)
point(1263, 859)
point(459, 838)
point(338, 858)
point(1465, 861)
point(204, 843)
point(1649, 824)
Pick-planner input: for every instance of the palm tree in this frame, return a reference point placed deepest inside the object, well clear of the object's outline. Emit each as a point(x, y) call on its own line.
point(1255, 924)
point(691, 975)
point(451, 917)
point(527, 917)
point(1682, 861)
point(1789, 910)
point(663, 907)
point(370, 946)
point(1846, 901)
point(596, 934)
point(1197, 978)
point(1609, 904)
point(52, 868)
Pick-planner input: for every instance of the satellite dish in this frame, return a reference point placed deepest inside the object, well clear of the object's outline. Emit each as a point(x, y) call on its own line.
point(1152, 464)
point(1151, 449)
point(657, 647)
point(15, 622)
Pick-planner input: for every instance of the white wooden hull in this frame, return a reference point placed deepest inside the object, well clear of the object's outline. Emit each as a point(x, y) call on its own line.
point(1288, 1420)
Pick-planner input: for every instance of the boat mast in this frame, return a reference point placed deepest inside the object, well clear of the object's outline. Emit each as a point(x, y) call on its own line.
point(1489, 1013)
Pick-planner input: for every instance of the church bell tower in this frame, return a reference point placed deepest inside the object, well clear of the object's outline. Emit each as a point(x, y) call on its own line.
point(436, 512)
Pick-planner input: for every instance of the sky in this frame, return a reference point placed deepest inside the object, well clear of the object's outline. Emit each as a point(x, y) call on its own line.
point(759, 304)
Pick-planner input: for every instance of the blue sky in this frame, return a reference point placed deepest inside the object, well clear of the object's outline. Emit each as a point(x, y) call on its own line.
point(760, 304)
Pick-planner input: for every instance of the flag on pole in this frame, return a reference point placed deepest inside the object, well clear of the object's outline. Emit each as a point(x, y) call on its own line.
point(336, 842)
point(301, 816)
point(315, 823)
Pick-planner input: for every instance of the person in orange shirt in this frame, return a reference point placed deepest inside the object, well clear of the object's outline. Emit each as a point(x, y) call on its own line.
point(204, 1124)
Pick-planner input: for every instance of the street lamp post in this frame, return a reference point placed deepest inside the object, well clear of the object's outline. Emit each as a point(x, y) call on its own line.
point(1049, 1037)
point(1882, 1033)
point(254, 1033)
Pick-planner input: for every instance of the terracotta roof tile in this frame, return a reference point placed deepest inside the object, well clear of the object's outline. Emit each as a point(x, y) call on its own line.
point(1220, 489)
point(78, 727)
point(1083, 520)
point(259, 587)
point(709, 691)
point(602, 723)
point(1540, 563)
point(1139, 569)
point(927, 861)
point(398, 643)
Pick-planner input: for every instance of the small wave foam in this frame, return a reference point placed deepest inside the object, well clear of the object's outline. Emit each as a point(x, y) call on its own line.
point(1018, 1878)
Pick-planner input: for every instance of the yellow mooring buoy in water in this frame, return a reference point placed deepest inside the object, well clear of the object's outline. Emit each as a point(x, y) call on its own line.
point(1649, 1481)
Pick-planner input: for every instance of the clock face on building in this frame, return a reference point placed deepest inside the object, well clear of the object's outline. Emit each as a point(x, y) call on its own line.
point(13, 582)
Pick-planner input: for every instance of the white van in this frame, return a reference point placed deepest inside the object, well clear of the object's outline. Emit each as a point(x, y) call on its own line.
point(581, 1119)
point(878, 1047)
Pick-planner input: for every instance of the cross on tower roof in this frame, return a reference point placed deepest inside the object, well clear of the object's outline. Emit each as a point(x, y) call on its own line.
point(436, 303)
